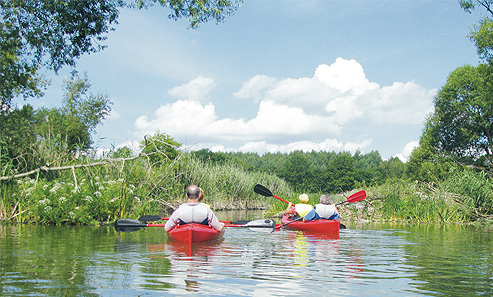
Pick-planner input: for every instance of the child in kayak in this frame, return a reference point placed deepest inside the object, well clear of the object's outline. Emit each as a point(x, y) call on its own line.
point(323, 210)
point(193, 212)
point(299, 209)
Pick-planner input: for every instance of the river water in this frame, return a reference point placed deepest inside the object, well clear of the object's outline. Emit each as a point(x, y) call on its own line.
point(364, 260)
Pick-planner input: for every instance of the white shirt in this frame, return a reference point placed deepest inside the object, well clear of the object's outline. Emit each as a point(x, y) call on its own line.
point(193, 213)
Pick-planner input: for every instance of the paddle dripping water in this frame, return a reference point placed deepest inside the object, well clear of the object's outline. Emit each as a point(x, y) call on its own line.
point(366, 260)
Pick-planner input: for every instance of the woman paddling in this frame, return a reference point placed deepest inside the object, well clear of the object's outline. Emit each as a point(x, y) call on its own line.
point(299, 209)
point(324, 210)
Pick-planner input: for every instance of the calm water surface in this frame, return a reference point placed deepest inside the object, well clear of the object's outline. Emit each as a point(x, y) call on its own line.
point(365, 260)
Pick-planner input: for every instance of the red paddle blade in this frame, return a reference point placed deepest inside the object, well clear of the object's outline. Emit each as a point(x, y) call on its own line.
point(358, 196)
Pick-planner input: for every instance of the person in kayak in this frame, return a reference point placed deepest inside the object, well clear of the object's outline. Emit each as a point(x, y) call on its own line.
point(324, 210)
point(299, 209)
point(193, 212)
point(201, 198)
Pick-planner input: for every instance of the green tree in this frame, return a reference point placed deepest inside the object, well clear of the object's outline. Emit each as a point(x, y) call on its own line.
point(295, 170)
point(160, 147)
point(462, 124)
point(482, 32)
point(342, 175)
point(17, 140)
point(55, 33)
point(69, 128)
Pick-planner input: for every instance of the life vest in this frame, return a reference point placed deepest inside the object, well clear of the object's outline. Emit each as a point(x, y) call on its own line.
point(302, 209)
point(325, 211)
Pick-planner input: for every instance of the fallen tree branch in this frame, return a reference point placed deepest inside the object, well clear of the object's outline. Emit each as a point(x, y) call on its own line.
point(71, 167)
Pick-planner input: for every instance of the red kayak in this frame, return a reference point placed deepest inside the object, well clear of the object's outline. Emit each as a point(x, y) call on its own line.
point(193, 233)
point(322, 226)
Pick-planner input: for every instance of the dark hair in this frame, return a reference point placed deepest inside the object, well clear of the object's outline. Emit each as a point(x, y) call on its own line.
point(193, 192)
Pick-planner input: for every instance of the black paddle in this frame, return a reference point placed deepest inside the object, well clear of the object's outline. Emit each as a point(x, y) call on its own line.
point(131, 225)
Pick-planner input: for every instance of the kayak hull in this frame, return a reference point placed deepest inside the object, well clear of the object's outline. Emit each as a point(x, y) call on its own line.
point(194, 233)
point(321, 226)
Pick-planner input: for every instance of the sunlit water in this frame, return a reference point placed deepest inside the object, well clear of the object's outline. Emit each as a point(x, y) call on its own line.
point(366, 260)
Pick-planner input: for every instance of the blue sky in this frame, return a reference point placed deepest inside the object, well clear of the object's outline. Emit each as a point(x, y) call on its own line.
point(279, 75)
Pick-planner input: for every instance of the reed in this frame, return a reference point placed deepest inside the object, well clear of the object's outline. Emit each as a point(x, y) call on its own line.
point(100, 194)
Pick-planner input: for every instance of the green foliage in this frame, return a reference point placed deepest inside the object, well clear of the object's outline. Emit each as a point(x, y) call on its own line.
point(49, 33)
point(69, 128)
point(425, 163)
point(160, 148)
point(474, 190)
point(413, 202)
point(461, 127)
point(32, 138)
point(316, 172)
point(482, 32)
point(196, 12)
point(55, 33)
point(17, 140)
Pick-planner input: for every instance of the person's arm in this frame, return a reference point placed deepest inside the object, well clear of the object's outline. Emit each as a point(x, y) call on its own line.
point(290, 209)
point(214, 222)
point(172, 222)
point(310, 216)
point(336, 210)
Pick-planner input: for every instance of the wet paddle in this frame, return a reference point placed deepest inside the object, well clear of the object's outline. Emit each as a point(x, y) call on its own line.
point(358, 196)
point(153, 218)
point(131, 225)
point(259, 189)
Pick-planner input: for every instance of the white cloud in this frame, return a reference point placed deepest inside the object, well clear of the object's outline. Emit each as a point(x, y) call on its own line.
point(197, 89)
point(308, 113)
point(408, 149)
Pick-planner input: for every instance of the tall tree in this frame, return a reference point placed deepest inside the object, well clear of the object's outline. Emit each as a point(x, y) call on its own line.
point(55, 33)
point(69, 128)
point(462, 125)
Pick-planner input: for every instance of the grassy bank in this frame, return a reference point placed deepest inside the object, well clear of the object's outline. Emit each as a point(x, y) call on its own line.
point(100, 194)
point(465, 196)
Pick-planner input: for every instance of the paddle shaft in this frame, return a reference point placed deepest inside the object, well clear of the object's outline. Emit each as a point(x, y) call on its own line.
point(150, 218)
point(280, 226)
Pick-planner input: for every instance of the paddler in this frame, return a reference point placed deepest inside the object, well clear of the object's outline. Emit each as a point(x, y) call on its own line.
point(299, 209)
point(324, 210)
point(193, 212)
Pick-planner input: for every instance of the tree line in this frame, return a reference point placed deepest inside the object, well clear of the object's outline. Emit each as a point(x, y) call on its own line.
point(315, 172)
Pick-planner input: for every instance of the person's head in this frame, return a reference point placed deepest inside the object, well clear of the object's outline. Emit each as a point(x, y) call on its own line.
point(201, 195)
point(193, 192)
point(303, 198)
point(324, 199)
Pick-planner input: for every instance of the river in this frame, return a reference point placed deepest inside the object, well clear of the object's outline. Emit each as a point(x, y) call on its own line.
point(366, 259)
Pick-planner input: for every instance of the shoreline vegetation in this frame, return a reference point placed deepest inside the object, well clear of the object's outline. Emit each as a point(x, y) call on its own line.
point(92, 191)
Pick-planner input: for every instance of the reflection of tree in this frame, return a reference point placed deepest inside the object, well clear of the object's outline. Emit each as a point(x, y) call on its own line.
point(454, 260)
point(50, 260)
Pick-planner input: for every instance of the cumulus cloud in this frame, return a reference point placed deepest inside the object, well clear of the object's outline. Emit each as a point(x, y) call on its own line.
point(307, 113)
point(408, 149)
point(197, 89)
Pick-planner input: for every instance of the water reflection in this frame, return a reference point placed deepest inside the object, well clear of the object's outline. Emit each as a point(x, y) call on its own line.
point(365, 259)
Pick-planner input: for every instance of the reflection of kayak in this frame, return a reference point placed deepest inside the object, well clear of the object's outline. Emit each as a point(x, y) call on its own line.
point(323, 226)
point(193, 233)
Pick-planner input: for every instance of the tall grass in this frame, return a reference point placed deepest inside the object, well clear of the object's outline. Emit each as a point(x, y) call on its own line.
point(464, 196)
point(99, 194)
